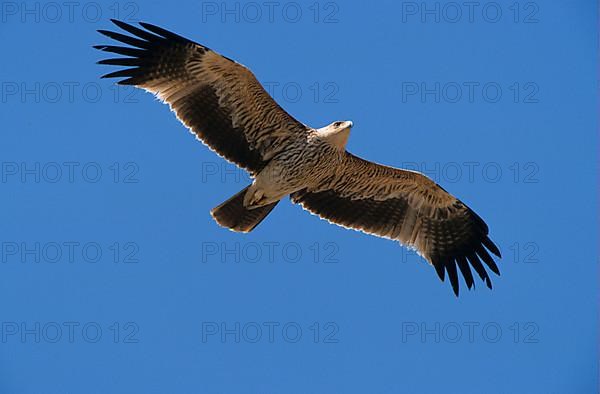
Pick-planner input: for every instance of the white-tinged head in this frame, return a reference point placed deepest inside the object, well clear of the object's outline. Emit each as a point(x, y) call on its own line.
point(336, 133)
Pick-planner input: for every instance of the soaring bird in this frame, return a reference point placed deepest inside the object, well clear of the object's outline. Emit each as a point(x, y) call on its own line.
point(225, 106)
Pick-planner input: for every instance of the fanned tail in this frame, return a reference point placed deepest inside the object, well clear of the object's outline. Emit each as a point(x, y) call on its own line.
point(235, 216)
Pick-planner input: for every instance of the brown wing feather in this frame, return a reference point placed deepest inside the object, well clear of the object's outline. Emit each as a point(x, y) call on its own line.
point(408, 207)
point(218, 99)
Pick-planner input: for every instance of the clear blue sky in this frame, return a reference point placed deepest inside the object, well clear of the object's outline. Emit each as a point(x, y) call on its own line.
point(114, 277)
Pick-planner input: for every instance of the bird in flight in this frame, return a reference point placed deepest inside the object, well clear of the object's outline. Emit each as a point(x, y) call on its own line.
point(224, 105)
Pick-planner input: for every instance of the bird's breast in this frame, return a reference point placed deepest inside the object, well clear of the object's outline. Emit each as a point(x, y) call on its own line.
point(305, 164)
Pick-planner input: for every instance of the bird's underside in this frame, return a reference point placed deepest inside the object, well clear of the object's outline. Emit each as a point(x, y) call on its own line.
point(223, 104)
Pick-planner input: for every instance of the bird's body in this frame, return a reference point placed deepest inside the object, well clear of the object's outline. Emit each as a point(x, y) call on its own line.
point(224, 105)
point(306, 163)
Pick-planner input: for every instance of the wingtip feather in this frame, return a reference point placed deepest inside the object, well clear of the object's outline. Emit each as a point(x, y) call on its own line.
point(452, 276)
point(491, 246)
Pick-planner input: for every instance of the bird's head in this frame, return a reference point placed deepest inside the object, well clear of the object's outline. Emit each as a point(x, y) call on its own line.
point(336, 133)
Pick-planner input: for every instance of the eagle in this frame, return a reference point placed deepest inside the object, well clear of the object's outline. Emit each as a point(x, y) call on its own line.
point(223, 104)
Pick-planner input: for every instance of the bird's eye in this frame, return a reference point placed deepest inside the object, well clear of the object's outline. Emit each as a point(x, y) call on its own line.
point(337, 124)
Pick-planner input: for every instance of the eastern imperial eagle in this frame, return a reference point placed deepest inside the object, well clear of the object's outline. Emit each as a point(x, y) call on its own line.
point(224, 105)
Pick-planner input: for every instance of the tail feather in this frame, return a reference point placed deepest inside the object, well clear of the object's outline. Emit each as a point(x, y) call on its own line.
point(235, 216)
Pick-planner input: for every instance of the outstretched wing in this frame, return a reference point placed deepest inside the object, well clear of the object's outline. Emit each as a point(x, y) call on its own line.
point(408, 207)
point(216, 98)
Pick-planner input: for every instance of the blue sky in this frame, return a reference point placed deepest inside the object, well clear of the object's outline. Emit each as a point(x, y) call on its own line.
point(116, 279)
